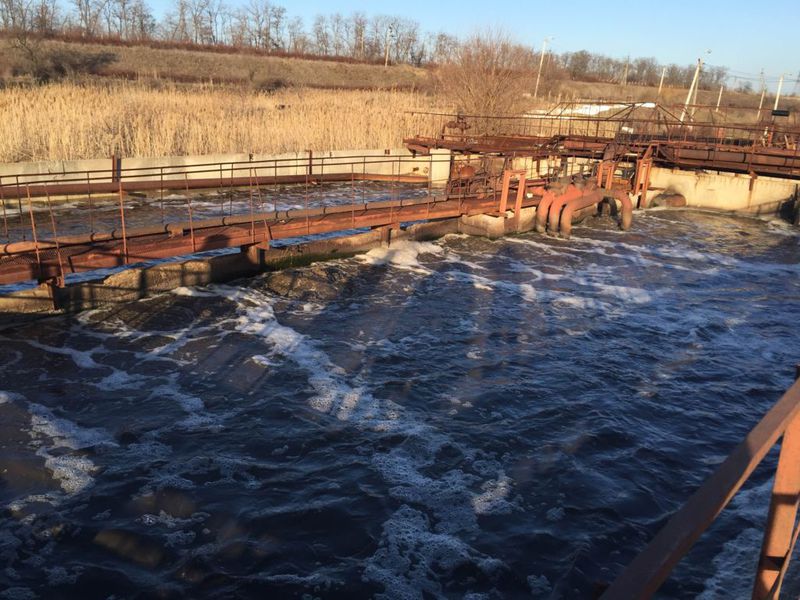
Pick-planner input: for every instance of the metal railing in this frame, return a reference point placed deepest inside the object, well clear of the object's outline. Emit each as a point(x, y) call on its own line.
point(622, 121)
point(645, 574)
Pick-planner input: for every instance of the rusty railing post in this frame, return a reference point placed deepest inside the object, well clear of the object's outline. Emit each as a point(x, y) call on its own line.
point(780, 532)
point(518, 202)
point(504, 192)
point(122, 221)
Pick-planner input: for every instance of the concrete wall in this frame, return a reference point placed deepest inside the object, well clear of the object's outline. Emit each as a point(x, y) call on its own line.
point(729, 192)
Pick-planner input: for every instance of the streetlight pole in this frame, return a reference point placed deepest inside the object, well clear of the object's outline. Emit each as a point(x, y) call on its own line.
point(778, 95)
point(386, 44)
point(541, 64)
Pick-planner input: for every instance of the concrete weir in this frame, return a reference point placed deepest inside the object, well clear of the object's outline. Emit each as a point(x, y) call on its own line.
point(747, 194)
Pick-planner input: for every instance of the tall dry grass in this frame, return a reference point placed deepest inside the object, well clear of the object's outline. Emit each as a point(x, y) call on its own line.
point(65, 121)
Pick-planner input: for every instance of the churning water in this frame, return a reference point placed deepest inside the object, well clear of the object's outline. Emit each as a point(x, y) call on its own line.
point(465, 419)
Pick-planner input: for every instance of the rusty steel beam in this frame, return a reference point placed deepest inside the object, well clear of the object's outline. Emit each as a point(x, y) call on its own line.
point(645, 574)
point(23, 261)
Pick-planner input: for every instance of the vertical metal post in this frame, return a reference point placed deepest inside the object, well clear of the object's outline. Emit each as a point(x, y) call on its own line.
point(189, 207)
point(5, 217)
point(124, 232)
point(91, 202)
point(161, 191)
point(33, 231)
point(504, 192)
point(275, 182)
point(221, 187)
point(19, 204)
point(778, 94)
point(518, 203)
point(252, 219)
point(61, 278)
point(308, 224)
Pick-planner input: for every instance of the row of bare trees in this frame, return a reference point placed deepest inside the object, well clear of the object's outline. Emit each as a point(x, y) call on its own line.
point(586, 66)
point(259, 24)
point(267, 25)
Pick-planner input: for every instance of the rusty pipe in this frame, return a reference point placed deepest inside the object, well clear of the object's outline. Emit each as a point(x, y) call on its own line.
point(596, 197)
point(626, 218)
point(541, 211)
point(592, 198)
point(571, 193)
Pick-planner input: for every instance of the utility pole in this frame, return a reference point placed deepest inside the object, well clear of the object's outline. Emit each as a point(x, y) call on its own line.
point(386, 45)
point(691, 88)
point(661, 82)
point(763, 93)
point(719, 98)
point(541, 64)
point(778, 95)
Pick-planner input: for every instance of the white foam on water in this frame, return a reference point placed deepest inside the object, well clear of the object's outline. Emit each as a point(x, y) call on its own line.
point(9, 397)
point(525, 290)
point(65, 433)
point(453, 257)
point(455, 498)
point(197, 415)
point(194, 292)
point(332, 395)
point(84, 359)
point(494, 499)
point(635, 254)
point(630, 295)
point(81, 358)
point(403, 255)
point(73, 470)
point(734, 566)
point(531, 294)
point(410, 548)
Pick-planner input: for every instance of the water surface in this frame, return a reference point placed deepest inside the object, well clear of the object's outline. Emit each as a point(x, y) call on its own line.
point(464, 419)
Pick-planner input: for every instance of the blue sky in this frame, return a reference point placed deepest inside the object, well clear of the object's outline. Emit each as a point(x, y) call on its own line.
point(744, 36)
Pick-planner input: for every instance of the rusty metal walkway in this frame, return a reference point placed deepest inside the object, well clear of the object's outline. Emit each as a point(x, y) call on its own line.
point(630, 129)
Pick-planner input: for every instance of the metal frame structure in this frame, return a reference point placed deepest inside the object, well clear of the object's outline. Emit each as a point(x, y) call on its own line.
point(761, 148)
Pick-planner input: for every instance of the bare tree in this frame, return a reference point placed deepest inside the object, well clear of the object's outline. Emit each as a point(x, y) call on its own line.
point(15, 15)
point(488, 75)
point(88, 13)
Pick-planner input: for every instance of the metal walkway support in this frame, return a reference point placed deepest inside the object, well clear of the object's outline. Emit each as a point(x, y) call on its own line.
point(643, 576)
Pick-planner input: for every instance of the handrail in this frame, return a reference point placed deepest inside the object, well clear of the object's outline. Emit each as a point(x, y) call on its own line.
point(212, 175)
point(171, 170)
point(645, 574)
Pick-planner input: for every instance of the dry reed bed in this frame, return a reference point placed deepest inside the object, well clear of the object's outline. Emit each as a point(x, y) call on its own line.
point(66, 121)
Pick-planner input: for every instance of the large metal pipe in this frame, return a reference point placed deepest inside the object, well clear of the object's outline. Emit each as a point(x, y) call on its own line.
point(594, 198)
point(576, 204)
point(543, 209)
point(572, 192)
